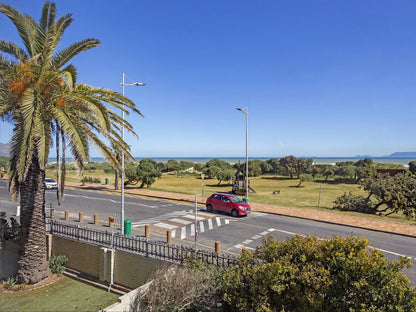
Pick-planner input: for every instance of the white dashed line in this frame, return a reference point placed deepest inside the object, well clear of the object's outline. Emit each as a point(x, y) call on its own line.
point(210, 227)
point(218, 219)
point(201, 227)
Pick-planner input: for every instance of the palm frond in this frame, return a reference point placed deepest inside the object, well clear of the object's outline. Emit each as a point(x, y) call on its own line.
point(64, 56)
point(13, 50)
point(25, 25)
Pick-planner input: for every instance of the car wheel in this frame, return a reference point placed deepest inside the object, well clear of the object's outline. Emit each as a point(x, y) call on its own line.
point(234, 213)
point(209, 208)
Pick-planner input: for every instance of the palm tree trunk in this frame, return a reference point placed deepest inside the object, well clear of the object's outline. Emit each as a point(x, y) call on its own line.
point(32, 265)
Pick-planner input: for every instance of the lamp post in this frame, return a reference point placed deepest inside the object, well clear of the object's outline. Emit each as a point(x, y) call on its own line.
point(245, 112)
point(123, 84)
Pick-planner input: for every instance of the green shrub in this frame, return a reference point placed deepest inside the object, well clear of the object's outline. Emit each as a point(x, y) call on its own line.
point(310, 274)
point(351, 202)
point(57, 263)
point(90, 180)
point(10, 283)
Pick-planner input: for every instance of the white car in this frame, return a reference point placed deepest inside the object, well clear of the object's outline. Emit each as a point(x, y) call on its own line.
point(50, 184)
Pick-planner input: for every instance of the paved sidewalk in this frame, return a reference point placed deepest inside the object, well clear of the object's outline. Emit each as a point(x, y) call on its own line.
point(368, 222)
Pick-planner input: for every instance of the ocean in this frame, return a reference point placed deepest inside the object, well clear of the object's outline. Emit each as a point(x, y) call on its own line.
point(233, 160)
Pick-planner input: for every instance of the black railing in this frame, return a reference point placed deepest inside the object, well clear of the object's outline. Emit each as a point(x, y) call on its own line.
point(144, 246)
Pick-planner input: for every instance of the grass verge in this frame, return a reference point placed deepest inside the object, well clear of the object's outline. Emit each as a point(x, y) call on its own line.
point(66, 294)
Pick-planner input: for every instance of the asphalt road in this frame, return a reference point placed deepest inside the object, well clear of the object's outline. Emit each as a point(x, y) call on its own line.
point(233, 233)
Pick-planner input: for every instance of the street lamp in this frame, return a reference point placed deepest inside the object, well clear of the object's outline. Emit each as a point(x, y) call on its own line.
point(123, 84)
point(245, 112)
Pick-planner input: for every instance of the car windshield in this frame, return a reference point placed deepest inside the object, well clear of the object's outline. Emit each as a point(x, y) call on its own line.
point(49, 180)
point(235, 199)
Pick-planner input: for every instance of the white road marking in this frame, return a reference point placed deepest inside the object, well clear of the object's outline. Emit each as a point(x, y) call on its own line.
point(193, 217)
point(183, 232)
point(264, 233)
point(226, 221)
point(201, 227)
point(256, 236)
point(218, 219)
point(165, 225)
point(247, 241)
point(173, 233)
point(192, 229)
point(210, 227)
point(181, 221)
point(392, 253)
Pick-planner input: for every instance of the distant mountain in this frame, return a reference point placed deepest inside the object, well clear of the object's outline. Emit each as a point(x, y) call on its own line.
point(4, 150)
point(403, 155)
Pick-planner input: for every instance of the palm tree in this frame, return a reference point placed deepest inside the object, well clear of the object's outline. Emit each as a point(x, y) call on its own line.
point(40, 95)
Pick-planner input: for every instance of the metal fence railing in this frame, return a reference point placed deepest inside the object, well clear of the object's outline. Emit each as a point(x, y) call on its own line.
point(149, 248)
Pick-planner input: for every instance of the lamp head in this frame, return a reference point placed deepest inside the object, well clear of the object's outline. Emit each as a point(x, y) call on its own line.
point(139, 84)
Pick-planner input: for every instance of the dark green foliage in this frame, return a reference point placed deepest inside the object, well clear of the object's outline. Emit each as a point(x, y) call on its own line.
point(304, 177)
point(225, 175)
point(412, 166)
point(310, 274)
point(351, 202)
point(214, 166)
point(275, 165)
point(9, 228)
point(393, 194)
point(57, 263)
point(147, 172)
point(254, 168)
point(172, 165)
point(90, 180)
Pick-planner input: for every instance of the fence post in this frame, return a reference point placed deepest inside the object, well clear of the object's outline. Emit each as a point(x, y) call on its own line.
point(78, 229)
point(147, 247)
point(110, 221)
point(147, 231)
point(217, 247)
point(95, 218)
point(169, 236)
point(52, 213)
point(66, 215)
point(80, 216)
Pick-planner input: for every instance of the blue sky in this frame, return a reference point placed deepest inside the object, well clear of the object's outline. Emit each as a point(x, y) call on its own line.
point(320, 78)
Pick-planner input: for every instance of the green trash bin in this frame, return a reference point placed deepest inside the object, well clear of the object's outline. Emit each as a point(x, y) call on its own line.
point(127, 227)
point(106, 180)
point(245, 199)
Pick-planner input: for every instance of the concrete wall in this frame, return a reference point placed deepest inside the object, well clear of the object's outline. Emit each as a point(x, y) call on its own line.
point(130, 270)
point(9, 255)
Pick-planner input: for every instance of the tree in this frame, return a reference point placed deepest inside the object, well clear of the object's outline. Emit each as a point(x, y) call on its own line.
point(172, 165)
point(393, 193)
point(225, 175)
point(214, 166)
point(147, 172)
point(275, 164)
point(412, 166)
point(311, 274)
point(254, 169)
point(40, 95)
point(303, 166)
point(289, 165)
point(346, 171)
point(329, 172)
point(304, 177)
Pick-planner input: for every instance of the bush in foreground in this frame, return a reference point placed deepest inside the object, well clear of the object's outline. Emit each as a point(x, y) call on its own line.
point(300, 274)
point(309, 274)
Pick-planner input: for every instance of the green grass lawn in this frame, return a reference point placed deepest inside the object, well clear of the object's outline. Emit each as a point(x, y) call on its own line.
point(305, 196)
point(66, 294)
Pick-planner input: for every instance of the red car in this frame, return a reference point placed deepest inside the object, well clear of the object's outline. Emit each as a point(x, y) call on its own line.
point(227, 203)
